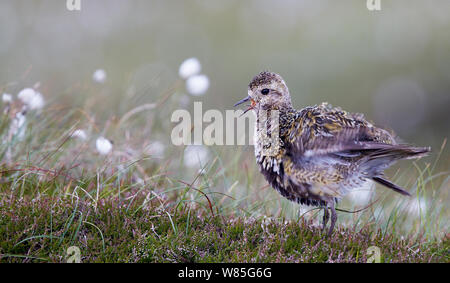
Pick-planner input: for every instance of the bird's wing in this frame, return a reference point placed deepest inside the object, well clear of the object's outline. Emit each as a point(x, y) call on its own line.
point(322, 130)
point(331, 150)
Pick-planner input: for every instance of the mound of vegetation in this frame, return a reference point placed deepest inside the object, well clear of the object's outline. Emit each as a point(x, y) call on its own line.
point(43, 228)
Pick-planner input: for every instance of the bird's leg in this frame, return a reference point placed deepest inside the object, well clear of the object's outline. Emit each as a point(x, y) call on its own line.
point(326, 217)
point(333, 217)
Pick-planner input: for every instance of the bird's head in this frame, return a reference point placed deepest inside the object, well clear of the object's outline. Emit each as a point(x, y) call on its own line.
point(267, 91)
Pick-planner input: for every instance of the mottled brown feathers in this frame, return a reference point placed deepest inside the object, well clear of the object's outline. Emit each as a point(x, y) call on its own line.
point(322, 152)
point(264, 78)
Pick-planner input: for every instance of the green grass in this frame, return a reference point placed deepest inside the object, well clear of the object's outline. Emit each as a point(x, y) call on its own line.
point(41, 230)
point(40, 218)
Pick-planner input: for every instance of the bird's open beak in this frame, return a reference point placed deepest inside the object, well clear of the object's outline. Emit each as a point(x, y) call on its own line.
point(250, 107)
point(242, 101)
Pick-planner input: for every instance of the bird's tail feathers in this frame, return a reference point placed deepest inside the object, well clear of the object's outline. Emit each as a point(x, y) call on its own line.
point(379, 157)
point(399, 152)
point(391, 185)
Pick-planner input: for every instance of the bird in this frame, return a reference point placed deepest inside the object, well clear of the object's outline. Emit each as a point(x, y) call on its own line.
point(316, 155)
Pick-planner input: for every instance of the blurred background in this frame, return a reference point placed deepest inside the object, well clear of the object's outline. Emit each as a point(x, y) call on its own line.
point(393, 65)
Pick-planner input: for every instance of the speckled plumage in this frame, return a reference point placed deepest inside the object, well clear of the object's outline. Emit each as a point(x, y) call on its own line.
point(316, 155)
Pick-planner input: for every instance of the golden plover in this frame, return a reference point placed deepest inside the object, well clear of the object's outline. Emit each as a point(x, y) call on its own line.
point(316, 155)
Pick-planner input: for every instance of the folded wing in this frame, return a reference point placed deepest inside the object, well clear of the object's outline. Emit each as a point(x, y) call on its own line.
point(332, 146)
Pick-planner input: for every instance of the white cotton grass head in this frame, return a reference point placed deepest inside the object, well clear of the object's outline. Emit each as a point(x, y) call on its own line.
point(32, 98)
point(7, 98)
point(417, 207)
point(156, 149)
point(99, 76)
point(197, 85)
point(195, 156)
point(17, 127)
point(103, 145)
point(363, 194)
point(189, 68)
point(79, 134)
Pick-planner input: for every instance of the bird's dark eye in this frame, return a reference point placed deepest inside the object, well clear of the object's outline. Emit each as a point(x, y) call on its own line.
point(265, 91)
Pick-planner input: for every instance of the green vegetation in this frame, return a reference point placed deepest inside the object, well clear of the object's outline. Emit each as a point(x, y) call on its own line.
point(41, 217)
point(113, 231)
